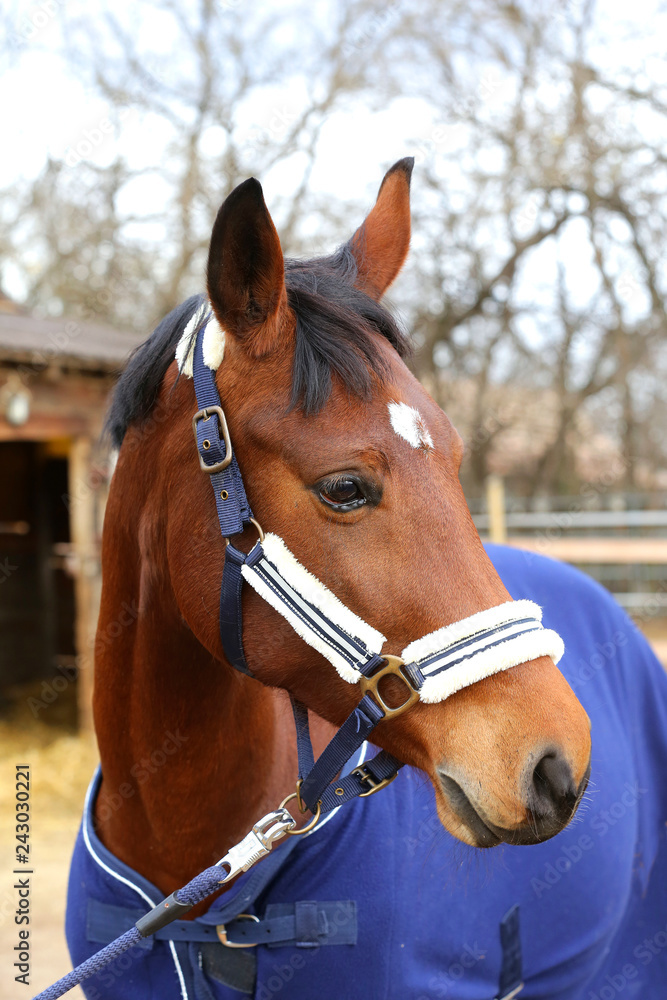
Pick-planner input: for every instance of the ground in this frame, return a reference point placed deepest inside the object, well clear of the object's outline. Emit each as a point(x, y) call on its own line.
point(61, 765)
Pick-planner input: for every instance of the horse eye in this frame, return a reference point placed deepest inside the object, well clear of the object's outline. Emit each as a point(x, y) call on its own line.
point(343, 494)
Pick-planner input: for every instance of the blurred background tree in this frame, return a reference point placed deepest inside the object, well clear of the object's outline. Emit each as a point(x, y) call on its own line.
point(536, 285)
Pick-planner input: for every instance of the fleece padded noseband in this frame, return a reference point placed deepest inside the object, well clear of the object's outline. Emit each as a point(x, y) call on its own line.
point(485, 643)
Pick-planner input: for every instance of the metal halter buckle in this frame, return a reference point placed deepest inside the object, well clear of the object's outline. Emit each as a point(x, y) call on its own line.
point(374, 785)
point(221, 931)
point(370, 684)
point(206, 414)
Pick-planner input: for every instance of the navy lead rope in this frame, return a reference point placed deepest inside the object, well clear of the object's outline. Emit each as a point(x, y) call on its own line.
point(201, 886)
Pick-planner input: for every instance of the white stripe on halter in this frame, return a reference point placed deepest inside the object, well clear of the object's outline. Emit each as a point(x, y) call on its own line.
point(450, 658)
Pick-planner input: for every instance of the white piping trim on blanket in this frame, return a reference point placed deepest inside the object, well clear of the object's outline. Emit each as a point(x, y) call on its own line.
point(213, 344)
point(179, 970)
point(125, 881)
point(450, 658)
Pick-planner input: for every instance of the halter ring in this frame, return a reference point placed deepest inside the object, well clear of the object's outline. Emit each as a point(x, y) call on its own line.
point(393, 668)
point(259, 528)
point(260, 532)
point(313, 822)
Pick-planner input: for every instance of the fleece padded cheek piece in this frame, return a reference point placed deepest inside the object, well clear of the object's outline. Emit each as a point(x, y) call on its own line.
point(312, 610)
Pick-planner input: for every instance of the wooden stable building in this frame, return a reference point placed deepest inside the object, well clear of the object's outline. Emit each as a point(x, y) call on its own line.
point(55, 379)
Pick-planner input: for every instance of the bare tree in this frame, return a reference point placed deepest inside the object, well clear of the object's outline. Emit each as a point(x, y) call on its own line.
point(234, 94)
point(547, 156)
point(536, 288)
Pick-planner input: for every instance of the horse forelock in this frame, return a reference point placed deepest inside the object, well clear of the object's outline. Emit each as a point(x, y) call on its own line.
point(336, 328)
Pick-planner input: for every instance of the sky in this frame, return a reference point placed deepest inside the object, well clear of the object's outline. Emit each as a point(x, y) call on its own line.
point(47, 110)
point(46, 107)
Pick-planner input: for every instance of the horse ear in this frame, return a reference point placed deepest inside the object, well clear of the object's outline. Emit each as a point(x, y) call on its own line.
point(245, 271)
point(380, 245)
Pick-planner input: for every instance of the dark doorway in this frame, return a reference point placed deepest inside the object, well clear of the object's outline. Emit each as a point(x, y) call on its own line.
point(36, 593)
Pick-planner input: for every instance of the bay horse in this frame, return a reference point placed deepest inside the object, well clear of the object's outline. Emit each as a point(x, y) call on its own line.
point(346, 457)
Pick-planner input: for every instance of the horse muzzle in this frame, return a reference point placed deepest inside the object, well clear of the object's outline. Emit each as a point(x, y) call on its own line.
point(547, 801)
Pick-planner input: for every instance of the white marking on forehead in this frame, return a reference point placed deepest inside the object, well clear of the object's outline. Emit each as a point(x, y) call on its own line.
point(409, 424)
point(213, 347)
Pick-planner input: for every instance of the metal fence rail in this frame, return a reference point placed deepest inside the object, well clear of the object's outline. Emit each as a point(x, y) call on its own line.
point(579, 520)
point(624, 548)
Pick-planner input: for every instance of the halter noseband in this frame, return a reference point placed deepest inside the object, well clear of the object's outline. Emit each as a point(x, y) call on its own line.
point(431, 668)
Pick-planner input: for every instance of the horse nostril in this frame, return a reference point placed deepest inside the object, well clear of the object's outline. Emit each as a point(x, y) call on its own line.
point(553, 788)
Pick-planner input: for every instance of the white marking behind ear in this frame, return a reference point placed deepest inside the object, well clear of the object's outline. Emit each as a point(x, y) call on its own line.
point(409, 424)
point(213, 347)
point(185, 346)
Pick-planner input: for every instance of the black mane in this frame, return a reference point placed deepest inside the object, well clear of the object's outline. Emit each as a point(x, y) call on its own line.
point(335, 323)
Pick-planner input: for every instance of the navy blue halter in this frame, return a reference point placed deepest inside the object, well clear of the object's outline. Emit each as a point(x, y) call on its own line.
point(217, 459)
point(318, 789)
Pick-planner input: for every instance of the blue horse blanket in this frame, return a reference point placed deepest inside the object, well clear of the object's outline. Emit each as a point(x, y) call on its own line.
point(414, 915)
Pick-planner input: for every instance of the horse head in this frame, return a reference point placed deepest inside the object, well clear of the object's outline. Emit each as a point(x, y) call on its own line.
point(349, 460)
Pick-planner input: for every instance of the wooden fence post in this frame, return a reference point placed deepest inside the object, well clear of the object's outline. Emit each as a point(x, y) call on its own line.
point(86, 571)
point(495, 503)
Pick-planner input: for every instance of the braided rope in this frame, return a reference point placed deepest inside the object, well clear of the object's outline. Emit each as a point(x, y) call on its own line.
point(94, 964)
point(201, 886)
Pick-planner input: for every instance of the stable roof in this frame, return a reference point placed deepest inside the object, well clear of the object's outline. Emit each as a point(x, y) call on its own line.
point(66, 342)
